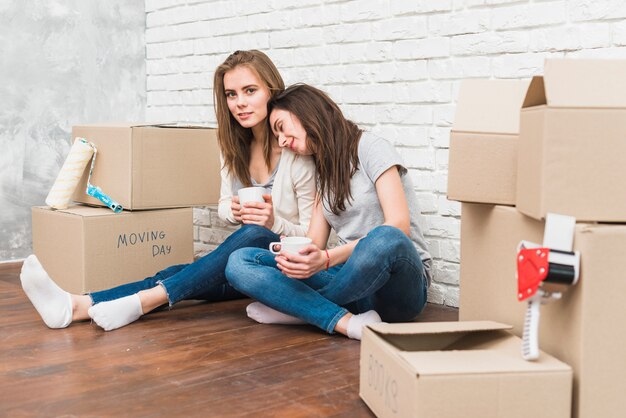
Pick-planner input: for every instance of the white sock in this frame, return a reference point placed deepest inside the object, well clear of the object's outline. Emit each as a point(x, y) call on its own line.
point(266, 315)
point(53, 303)
point(357, 322)
point(116, 313)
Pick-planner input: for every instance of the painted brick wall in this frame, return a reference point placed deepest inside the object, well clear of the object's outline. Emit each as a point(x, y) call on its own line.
point(394, 66)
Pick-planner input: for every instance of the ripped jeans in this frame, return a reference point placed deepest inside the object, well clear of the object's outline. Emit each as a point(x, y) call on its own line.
point(204, 279)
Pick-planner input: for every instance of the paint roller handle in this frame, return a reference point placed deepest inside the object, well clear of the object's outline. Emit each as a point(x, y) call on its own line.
point(96, 192)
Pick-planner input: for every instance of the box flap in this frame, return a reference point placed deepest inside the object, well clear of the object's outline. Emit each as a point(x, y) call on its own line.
point(536, 94)
point(184, 125)
point(430, 363)
point(589, 83)
point(151, 124)
point(423, 328)
point(107, 125)
point(83, 210)
point(489, 106)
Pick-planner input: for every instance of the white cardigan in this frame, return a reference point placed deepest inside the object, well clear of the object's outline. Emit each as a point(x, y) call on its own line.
point(293, 195)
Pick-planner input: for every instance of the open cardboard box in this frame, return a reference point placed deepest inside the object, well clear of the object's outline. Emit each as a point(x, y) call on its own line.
point(152, 166)
point(458, 369)
point(483, 143)
point(573, 141)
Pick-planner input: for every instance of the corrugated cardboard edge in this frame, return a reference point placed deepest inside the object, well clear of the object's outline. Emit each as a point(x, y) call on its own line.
point(100, 211)
point(422, 328)
point(82, 210)
point(149, 124)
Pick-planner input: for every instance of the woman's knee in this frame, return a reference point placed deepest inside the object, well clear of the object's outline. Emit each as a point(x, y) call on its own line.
point(239, 261)
point(402, 313)
point(390, 240)
point(255, 231)
point(239, 269)
point(389, 233)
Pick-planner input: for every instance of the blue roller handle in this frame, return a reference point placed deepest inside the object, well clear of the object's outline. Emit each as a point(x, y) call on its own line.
point(96, 192)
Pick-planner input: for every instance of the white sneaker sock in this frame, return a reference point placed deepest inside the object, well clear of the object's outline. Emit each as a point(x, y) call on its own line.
point(53, 303)
point(116, 313)
point(357, 322)
point(266, 315)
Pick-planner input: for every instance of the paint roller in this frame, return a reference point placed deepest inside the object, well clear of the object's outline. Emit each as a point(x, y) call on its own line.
point(71, 172)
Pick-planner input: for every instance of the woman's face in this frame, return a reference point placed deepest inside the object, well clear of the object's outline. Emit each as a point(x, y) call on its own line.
point(246, 96)
point(289, 131)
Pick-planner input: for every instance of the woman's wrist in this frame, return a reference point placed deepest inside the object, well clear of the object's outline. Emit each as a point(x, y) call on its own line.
point(327, 259)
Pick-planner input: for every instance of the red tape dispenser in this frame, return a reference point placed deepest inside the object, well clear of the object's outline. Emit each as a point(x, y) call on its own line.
point(544, 273)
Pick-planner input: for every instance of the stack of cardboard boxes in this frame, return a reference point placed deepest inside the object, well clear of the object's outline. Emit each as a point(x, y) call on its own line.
point(157, 173)
point(568, 159)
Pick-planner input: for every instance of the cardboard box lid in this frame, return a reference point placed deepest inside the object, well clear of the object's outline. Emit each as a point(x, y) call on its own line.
point(94, 211)
point(422, 328)
point(589, 83)
point(489, 106)
point(466, 347)
point(149, 125)
point(82, 210)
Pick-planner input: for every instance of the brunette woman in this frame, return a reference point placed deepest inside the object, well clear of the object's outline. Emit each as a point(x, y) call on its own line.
point(381, 269)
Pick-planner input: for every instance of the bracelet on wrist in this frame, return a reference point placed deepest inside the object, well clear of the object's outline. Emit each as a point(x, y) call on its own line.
point(327, 259)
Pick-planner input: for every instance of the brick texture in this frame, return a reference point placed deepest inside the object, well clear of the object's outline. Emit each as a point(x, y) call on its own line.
point(394, 67)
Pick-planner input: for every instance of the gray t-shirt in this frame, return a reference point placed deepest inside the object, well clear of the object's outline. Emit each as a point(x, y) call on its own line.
point(363, 213)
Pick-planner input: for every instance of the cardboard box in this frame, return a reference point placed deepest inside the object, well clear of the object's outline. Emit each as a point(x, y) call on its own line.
point(580, 329)
point(458, 369)
point(572, 142)
point(483, 143)
point(85, 249)
point(151, 167)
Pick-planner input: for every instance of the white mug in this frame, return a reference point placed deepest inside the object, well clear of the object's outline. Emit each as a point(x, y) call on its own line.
point(291, 245)
point(251, 194)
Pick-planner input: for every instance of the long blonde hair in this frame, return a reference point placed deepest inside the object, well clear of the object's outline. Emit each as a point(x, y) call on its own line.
point(234, 140)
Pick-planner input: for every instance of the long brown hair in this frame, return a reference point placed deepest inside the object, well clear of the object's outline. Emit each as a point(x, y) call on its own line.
point(234, 140)
point(332, 139)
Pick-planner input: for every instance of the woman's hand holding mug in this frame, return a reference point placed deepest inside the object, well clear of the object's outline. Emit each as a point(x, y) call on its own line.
point(256, 213)
point(256, 207)
point(298, 257)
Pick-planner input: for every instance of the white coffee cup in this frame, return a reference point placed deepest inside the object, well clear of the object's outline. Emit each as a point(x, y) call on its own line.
point(251, 194)
point(291, 245)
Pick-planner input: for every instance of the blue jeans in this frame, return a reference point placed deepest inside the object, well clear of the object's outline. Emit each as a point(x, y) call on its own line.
point(203, 279)
point(384, 273)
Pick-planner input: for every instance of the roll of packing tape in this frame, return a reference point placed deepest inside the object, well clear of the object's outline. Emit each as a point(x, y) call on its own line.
point(73, 168)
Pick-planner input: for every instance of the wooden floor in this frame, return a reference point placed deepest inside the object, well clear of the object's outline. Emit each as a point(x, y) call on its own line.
point(199, 359)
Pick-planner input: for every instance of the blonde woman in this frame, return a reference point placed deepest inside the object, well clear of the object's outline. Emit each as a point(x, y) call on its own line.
point(243, 85)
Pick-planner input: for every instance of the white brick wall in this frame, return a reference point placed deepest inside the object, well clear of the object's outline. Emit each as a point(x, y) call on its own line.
point(394, 66)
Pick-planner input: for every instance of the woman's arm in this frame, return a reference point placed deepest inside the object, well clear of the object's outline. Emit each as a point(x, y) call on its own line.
point(319, 229)
point(393, 200)
point(302, 175)
point(313, 258)
point(224, 208)
point(294, 185)
point(395, 210)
